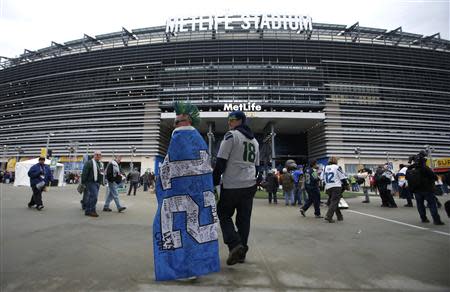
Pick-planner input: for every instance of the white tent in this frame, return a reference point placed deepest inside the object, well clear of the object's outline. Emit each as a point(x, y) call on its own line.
point(22, 168)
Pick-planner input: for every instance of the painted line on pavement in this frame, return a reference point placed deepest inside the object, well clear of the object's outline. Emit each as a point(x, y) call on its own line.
point(398, 222)
point(440, 232)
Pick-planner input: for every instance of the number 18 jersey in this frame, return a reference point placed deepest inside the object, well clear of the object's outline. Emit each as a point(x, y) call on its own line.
point(242, 154)
point(332, 176)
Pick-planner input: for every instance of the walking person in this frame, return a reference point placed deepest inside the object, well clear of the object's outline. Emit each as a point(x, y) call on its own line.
point(298, 174)
point(145, 180)
point(114, 178)
point(271, 186)
point(335, 180)
point(421, 180)
point(385, 183)
point(365, 175)
point(312, 187)
point(259, 181)
point(287, 183)
point(133, 178)
point(237, 160)
point(184, 183)
point(151, 179)
point(92, 177)
point(40, 176)
point(403, 186)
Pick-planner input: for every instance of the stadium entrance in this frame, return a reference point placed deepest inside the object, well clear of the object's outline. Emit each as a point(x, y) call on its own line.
point(281, 135)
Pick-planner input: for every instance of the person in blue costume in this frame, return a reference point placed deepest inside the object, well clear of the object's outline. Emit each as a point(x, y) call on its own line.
point(185, 238)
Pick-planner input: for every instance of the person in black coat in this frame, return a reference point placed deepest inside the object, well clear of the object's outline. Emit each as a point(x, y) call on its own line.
point(271, 184)
point(40, 176)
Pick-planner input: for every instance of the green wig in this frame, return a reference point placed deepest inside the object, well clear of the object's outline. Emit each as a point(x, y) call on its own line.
point(186, 108)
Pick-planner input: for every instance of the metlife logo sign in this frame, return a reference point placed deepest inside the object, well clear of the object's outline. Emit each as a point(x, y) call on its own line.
point(252, 107)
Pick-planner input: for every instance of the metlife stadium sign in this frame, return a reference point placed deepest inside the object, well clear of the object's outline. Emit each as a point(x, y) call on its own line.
point(297, 23)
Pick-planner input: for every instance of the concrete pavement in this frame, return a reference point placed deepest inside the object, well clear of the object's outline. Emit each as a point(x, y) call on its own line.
point(373, 249)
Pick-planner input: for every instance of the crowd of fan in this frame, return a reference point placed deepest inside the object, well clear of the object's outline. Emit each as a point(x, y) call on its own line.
point(294, 183)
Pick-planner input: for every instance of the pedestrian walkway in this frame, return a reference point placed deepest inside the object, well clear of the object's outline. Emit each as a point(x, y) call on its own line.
point(373, 249)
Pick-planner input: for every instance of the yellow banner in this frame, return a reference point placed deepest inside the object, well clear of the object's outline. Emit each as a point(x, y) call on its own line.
point(63, 159)
point(43, 152)
point(440, 162)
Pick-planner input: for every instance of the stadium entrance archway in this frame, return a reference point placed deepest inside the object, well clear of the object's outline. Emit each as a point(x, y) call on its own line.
point(282, 135)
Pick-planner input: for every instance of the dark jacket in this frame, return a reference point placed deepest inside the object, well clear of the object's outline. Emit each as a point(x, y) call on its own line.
point(271, 183)
point(87, 176)
point(427, 179)
point(38, 173)
point(133, 176)
point(145, 178)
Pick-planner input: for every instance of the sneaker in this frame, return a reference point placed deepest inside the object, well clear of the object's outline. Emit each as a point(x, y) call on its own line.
point(329, 220)
point(92, 214)
point(40, 207)
point(30, 205)
point(365, 201)
point(438, 223)
point(242, 258)
point(302, 212)
point(408, 205)
point(235, 254)
point(425, 220)
point(121, 209)
point(106, 209)
point(340, 219)
point(318, 216)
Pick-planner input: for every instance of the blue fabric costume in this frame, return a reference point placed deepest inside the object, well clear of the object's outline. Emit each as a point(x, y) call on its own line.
point(185, 240)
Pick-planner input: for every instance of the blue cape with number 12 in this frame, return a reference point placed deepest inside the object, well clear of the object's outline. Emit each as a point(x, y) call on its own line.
point(185, 240)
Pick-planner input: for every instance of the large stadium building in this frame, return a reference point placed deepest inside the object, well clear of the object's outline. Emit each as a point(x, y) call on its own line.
point(311, 90)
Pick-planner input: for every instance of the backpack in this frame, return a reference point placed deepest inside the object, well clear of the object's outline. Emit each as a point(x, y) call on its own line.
point(360, 180)
point(414, 179)
point(380, 179)
point(110, 174)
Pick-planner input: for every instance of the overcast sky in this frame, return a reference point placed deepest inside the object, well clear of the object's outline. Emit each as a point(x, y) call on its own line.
point(33, 24)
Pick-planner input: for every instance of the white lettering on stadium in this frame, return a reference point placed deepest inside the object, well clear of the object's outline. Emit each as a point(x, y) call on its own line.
point(298, 23)
point(242, 107)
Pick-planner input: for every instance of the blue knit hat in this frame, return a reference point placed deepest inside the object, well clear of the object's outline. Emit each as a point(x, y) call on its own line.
point(237, 115)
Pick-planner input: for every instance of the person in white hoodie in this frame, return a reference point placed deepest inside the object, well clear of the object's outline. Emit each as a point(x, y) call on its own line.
point(364, 174)
point(403, 185)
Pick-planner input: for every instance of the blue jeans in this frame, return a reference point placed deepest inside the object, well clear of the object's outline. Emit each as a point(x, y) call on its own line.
point(92, 196)
point(85, 199)
point(420, 198)
point(113, 194)
point(289, 197)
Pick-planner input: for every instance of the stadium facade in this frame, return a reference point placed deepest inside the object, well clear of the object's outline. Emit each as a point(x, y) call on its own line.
point(311, 90)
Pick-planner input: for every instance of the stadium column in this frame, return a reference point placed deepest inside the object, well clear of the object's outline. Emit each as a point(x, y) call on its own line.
point(272, 135)
point(210, 139)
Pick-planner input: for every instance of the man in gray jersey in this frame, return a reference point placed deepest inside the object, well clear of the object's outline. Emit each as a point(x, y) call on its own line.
point(237, 159)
